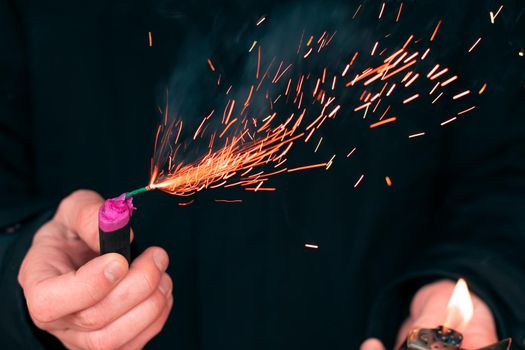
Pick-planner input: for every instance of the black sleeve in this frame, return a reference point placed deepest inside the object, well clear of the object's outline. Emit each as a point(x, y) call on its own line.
point(479, 228)
point(22, 212)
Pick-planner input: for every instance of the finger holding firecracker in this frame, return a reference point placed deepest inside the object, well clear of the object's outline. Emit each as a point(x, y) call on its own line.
point(90, 301)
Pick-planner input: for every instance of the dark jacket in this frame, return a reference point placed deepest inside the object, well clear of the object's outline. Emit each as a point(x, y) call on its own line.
point(79, 89)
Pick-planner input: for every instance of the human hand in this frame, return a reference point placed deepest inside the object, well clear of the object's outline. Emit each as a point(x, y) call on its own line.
point(428, 310)
point(89, 301)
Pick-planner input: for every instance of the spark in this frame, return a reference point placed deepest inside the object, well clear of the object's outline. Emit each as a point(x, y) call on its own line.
point(321, 165)
point(474, 45)
point(448, 121)
point(351, 152)
point(262, 19)
point(258, 62)
point(416, 135)
point(460, 95)
point(433, 70)
point(408, 41)
point(399, 12)
point(150, 39)
point(382, 9)
point(255, 189)
point(438, 74)
point(410, 99)
point(210, 63)
point(382, 122)
point(228, 200)
point(411, 57)
point(435, 31)
point(493, 16)
point(437, 98)
point(308, 53)
point(312, 246)
point(330, 162)
point(319, 144)
point(359, 181)
point(388, 181)
point(253, 45)
point(334, 111)
point(391, 89)
point(412, 80)
point(357, 11)
point(374, 48)
point(448, 81)
point(483, 88)
point(467, 110)
point(434, 88)
point(425, 54)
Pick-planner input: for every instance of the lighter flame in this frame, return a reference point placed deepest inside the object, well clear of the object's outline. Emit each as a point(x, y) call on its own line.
point(460, 308)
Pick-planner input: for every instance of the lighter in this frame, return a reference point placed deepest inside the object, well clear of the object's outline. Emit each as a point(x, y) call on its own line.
point(443, 338)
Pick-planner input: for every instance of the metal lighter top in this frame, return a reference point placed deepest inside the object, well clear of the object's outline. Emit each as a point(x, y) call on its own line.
point(443, 338)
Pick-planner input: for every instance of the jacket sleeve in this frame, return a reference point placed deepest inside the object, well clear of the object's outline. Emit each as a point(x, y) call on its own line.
point(479, 226)
point(22, 212)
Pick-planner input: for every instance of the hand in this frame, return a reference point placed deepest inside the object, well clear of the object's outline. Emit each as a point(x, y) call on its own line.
point(428, 310)
point(89, 301)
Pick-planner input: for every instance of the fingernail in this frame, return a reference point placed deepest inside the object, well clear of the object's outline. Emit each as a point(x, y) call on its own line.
point(165, 285)
point(160, 260)
point(114, 271)
point(372, 344)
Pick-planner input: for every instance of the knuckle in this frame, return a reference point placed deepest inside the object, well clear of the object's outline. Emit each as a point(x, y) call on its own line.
point(90, 319)
point(147, 284)
point(99, 341)
point(157, 303)
point(156, 329)
point(38, 307)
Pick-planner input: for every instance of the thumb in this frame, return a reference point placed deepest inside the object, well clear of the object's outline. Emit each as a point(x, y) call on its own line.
point(372, 344)
point(51, 295)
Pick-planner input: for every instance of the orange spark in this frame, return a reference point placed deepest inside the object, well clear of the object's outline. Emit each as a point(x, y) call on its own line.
point(410, 99)
point(460, 95)
point(483, 88)
point(307, 167)
point(448, 121)
point(210, 63)
point(399, 12)
point(386, 121)
point(435, 31)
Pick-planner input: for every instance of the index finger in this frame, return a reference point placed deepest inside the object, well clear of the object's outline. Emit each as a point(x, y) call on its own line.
point(79, 213)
